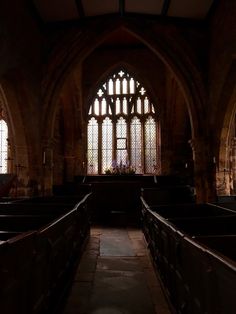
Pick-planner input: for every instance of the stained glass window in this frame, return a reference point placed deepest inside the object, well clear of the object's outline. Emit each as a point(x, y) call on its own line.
point(136, 144)
point(121, 140)
point(123, 126)
point(107, 132)
point(150, 145)
point(92, 146)
point(3, 146)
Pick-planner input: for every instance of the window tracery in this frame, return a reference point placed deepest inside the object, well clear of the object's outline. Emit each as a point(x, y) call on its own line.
point(122, 126)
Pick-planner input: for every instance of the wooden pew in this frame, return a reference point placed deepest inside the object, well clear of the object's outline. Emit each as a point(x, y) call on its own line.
point(168, 195)
point(196, 276)
point(223, 284)
point(63, 199)
point(218, 225)
point(194, 267)
point(61, 243)
point(190, 211)
point(23, 223)
point(36, 267)
point(16, 264)
point(228, 205)
point(222, 244)
point(38, 208)
point(6, 235)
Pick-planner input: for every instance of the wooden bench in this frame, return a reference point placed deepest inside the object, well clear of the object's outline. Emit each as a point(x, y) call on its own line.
point(223, 244)
point(16, 265)
point(6, 235)
point(190, 210)
point(176, 194)
point(36, 266)
point(23, 223)
point(197, 267)
point(218, 225)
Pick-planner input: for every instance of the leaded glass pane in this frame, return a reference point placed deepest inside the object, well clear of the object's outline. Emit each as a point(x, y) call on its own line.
point(100, 93)
point(142, 91)
point(139, 106)
point(117, 106)
point(146, 105)
point(117, 86)
point(3, 146)
point(121, 73)
point(110, 87)
point(125, 106)
point(92, 136)
point(104, 106)
point(96, 107)
point(121, 157)
point(121, 128)
point(124, 86)
point(107, 142)
point(150, 145)
point(136, 144)
point(131, 86)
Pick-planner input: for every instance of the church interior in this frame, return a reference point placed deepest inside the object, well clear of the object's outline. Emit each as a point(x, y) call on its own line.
point(118, 156)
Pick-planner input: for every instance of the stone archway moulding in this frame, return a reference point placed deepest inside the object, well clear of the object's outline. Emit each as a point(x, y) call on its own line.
point(79, 46)
point(227, 105)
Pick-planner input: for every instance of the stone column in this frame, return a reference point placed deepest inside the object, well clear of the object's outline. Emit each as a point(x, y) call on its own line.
point(233, 166)
point(47, 167)
point(223, 172)
point(204, 170)
point(21, 170)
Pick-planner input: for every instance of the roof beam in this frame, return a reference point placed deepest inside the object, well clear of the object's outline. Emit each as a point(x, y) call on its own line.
point(122, 7)
point(165, 7)
point(80, 8)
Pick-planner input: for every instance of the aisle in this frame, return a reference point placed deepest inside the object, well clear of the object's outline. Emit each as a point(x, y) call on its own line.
point(115, 276)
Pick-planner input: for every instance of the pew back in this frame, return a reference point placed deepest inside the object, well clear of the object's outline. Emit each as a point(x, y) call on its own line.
point(194, 255)
point(36, 266)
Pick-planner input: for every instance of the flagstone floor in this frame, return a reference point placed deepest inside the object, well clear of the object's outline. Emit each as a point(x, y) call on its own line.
point(115, 275)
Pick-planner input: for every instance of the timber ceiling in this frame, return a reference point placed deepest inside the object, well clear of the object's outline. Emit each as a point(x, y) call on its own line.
point(70, 10)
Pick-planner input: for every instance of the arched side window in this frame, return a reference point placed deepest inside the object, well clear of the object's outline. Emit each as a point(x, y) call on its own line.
point(123, 127)
point(3, 146)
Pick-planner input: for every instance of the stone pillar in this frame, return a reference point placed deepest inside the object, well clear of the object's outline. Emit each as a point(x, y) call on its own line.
point(69, 167)
point(204, 170)
point(47, 168)
point(21, 170)
point(232, 169)
point(223, 172)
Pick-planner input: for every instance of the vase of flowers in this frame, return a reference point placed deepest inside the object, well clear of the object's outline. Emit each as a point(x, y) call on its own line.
point(120, 168)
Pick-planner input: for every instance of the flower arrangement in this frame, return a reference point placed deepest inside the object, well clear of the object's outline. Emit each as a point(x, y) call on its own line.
point(120, 168)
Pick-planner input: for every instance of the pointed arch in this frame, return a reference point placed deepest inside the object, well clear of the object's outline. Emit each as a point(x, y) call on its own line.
point(175, 54)
point(116, 137)
point(17, 145)
point(226, 134)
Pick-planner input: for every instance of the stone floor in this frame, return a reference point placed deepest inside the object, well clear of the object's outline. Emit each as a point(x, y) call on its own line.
point(116, 276)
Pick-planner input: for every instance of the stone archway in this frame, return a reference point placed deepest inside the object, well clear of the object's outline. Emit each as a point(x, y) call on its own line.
point(226, 168)
point(18, 158)
point(173, 56)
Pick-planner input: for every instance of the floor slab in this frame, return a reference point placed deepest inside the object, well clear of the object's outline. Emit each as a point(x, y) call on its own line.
point(115, 275)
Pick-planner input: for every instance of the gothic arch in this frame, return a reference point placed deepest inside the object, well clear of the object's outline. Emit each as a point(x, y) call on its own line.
point(228, 101)
point(77, 47)
point(18, 162)
point(131, 114)
point(108, 71)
